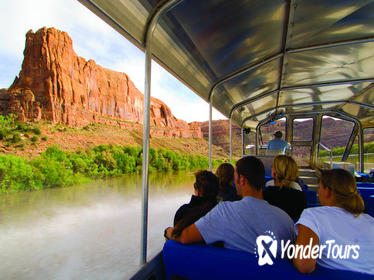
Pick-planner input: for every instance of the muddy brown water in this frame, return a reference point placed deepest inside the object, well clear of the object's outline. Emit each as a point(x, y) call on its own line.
point(90, 231)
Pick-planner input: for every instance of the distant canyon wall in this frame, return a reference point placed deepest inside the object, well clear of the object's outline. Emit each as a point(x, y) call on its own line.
point(57, 85)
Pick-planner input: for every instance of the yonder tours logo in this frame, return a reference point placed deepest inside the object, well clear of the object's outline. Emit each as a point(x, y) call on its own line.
point(266, 250)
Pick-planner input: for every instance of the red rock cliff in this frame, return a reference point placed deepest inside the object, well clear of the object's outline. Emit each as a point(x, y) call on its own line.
point(57, 85)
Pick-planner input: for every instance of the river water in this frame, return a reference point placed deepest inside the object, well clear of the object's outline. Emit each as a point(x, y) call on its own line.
point(90, 231)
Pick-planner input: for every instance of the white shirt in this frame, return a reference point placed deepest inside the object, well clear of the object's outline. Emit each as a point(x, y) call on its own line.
point(239, 223)
point(335, 223)
point(293, 185)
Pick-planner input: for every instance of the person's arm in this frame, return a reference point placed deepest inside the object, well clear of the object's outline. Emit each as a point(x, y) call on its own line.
point(189, 235)
point(303, 238)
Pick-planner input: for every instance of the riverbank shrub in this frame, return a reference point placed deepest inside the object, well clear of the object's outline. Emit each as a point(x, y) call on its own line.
point(368, 148)
point(18, 175)
point(55, 167)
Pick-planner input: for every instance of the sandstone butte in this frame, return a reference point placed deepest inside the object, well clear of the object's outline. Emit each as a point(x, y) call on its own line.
point(57, 85)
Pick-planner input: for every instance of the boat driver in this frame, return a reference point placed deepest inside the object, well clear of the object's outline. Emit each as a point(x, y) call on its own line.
point(278, 143)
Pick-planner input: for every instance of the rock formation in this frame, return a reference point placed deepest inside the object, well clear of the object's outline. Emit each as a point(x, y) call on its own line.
point(57, 85)
point(220, 133)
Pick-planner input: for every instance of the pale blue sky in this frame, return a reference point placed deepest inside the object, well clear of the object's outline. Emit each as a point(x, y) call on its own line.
point(92, 39)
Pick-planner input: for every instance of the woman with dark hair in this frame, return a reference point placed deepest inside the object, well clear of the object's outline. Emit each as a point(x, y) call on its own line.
point(339, 224)
point(225, 176)
point(203, 200)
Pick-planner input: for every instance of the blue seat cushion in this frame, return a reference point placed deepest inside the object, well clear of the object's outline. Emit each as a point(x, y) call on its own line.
point(206, 262)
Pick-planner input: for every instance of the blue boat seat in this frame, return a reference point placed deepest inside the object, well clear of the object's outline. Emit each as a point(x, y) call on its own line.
point(370, 205)
point(205, 262)
point(367, 192)
point(311, 196)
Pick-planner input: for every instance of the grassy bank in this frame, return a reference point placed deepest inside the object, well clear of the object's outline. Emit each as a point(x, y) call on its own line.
point(55, 167)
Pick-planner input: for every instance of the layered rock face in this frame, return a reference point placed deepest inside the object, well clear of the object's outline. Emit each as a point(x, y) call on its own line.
point(220, 133)
point(57, 85)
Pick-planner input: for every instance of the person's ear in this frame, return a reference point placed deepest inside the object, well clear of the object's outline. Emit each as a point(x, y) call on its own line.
point(328, 192)
point(197, 192)
point(273, 173)
point(242, 180)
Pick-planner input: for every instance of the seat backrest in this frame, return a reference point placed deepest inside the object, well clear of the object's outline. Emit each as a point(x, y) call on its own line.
point(370, 205)
point(206, 262)
point(267, 161)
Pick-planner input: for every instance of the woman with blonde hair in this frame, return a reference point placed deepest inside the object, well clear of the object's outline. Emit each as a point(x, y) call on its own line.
point(283, 191)
point(285, 172)
point(340, 225)
point(225, 176)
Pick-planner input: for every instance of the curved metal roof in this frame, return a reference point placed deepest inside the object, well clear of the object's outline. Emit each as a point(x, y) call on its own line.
point(253, 58)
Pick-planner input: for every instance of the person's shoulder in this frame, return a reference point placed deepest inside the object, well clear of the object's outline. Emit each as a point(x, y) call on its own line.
point(294, 192)
point(230, 195)
point(280, 216)
point(270, 188)
point(274, 210)
point(319, 212)
point(269, 183)
point(184, 206)
point(296, 186)
point(270, 191)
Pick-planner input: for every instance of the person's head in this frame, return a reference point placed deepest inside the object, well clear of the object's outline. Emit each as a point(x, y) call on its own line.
point(278, 134)
point(337, 187)
point(225, 175)
point(252, 170)
point(284, 170)
point(206, 184)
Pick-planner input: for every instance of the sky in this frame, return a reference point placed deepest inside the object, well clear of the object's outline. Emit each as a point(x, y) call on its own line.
point(92, 39)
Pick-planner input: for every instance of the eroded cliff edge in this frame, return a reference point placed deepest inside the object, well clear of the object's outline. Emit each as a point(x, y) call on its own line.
point(57, 85)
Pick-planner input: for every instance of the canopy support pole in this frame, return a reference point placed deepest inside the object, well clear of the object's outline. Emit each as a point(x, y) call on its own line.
point(145, 171)
point(146, 123)
point(210, 135)
point(242, 141)
point(361, 147)
point(230, 140)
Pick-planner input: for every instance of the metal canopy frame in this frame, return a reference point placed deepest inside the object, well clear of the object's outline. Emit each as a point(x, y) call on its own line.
point(146, 122)
point(292, 10)
point(189, 54)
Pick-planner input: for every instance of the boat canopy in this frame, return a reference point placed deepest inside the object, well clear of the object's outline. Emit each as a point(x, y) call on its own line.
point(259, 59)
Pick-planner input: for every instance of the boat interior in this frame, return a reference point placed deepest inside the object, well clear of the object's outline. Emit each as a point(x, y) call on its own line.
point(258, 62)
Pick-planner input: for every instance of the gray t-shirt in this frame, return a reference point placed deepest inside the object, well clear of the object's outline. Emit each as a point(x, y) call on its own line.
point(239, 223)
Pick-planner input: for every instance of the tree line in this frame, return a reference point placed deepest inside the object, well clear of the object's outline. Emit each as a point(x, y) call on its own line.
point(55, 167)
point(368, 148)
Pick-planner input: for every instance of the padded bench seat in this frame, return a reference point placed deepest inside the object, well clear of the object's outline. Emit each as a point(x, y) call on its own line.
point(205, 262)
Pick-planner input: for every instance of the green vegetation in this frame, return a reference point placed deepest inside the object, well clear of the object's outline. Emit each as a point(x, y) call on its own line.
point(55, 167)
point(16, 132)
point(368, 148)
point(34, 139)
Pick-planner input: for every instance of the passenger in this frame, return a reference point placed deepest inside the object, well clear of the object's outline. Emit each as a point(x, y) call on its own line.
point(277, 143)
point(225, 176)
point(239, 223)
point(284, 172)
point(341, 220)
point(284, 192)
point(203, 200)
